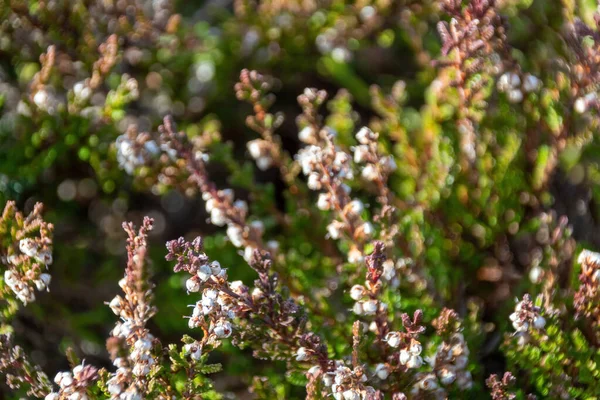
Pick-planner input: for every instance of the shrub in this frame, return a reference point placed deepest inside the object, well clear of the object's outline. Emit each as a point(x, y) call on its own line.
point(414, 230)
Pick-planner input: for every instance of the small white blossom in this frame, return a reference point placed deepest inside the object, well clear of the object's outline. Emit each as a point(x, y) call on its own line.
point(302, 354)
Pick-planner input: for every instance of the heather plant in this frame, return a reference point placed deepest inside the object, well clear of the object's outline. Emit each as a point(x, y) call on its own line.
point(391, 200)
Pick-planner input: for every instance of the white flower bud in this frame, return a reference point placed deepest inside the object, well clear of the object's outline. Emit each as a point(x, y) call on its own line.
point(215, 267)
point(314, 181)
point(323, 203)
point(115, 305)
point(204, 272)
point(404, 356)
point(357, 206)
point(358, 308)
point(351, 395)
point(428, 383)
point(334, 229)
point(302, 354)
point(414, 362)
point(254, 148)
point(393, 339)
point(365, 135)
point(361, 154)
point(370, 172)
point(192, 285)
point(367, 228)
point(235, 235)
point(515, 96)
point(415, 348)
point(63, 379)
point(539, 322)
point(222, 329)
point(355, 256)
point(218, 217)
point(514, 80)
point(114, 389)
point(382, 371)
point(531, 83)
point(141, 369)
point(580, 105)
point(307, 134)
point(143, 344)
point(357, 292)
point(447, 376)
point(370, 307)
point(388, 163)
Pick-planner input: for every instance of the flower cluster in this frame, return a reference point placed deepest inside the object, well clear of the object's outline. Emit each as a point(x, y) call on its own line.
point(514, 87)
point(527, 316)
point(254, 88)
point(221, 205)
point(132, 345)
point(74, 385)
point(376, 168)
point(327, 168)
point(29, 253)
point(586, 298)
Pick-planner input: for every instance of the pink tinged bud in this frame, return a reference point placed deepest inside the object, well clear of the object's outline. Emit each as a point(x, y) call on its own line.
point(357, 292)
point(302, 354)
point(314, 370)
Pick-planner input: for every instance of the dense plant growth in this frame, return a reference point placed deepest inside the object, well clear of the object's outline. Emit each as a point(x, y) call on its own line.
point(391, 200)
